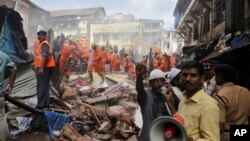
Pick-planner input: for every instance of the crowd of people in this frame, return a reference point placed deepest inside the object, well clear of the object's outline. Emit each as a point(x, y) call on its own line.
point(203, 93)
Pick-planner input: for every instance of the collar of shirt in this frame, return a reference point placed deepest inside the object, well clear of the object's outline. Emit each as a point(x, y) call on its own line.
point(196, 97)
point(210, 81)
point(227, 84)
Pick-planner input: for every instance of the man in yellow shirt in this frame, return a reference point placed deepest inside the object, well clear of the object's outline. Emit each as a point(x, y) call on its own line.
point(200, 111)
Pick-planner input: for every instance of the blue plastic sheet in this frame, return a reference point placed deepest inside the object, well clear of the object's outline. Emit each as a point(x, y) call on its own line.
point(56, 121)
point(13, 47)
point(6, 40)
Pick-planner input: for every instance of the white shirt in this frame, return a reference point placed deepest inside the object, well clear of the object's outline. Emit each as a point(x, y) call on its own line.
point(210, 86)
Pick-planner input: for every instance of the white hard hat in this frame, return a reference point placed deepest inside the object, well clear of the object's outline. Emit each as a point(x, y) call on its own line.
point(173, 73)
point(157, 73)
point(41, 29)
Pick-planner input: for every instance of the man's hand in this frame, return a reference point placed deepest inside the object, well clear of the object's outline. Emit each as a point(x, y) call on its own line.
point(7, 89)
point(190, 139)
point(41, 71)
point(32, 65)
point(168, 96)
point(140, 69)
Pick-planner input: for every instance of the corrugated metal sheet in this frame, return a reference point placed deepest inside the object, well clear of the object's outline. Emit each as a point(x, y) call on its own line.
point(25, 84)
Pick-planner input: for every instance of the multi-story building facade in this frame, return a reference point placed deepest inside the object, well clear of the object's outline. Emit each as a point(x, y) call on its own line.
point(202, 21)
point(171, 42)
point(32, 16)
point(137, 34)
point(118, 33)
point(76, 22)
point(199, 21)
point(218, 30)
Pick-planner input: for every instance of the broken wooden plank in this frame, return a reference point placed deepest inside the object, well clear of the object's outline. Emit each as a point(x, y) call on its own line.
point(103, 98)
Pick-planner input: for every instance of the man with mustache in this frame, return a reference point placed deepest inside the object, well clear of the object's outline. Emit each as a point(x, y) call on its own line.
point(200, 111)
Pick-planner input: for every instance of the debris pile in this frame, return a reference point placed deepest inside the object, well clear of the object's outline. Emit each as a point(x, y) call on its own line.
point(107, 111)
point(96, 111)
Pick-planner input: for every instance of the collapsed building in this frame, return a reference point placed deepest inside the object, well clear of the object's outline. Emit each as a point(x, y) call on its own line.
point(80, 112)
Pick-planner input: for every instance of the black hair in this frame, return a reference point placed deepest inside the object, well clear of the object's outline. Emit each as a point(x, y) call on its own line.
point(193, 64)
point(211, 61)
point(227, 72)
point(42, 32)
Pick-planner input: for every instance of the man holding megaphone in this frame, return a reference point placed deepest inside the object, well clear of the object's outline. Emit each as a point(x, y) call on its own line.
point(151, 101)
point(200, 111)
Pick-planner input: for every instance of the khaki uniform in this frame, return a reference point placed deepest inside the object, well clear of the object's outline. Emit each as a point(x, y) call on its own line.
point(234, 104)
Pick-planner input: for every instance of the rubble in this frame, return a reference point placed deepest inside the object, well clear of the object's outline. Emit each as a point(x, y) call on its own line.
point(103, 98)
point(85, 90)
point(107, 113)
point(105, 127)
point(115, 111)
point(70, 93)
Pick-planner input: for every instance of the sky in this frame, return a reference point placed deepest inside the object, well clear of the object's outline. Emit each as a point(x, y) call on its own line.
point(145, 9)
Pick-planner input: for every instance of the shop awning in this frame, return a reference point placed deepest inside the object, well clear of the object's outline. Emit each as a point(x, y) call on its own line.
point(217, 53)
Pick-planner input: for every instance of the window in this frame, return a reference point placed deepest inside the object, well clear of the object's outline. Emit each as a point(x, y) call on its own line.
point(115, 36)
point(155, 25)
point(105, 37)
point(195, 31)
point(168, 45)
point(219, 11)
point(125, 36)
point(97, 38)
point(205, 23)
point(147, 26)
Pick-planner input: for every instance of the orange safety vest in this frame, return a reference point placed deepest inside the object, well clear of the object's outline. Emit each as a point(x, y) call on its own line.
point(126, 62)
point(50, 62)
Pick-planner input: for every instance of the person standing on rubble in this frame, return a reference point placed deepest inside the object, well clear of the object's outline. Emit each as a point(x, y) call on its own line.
point(126, 62)
point(152, 101)
point(43, 63)
point(96, 63)
point(66, 53)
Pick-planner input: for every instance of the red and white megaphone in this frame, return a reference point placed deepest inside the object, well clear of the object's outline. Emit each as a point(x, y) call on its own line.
point(168, 129)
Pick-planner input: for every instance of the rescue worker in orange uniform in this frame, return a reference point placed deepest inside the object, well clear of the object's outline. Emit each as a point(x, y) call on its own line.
point(164, 65)
point(96, 63)
point(43, 63)
point(126, 62)
point(172, 61)
point(107, 66)
point(65, 54)
point(104, 56)
point(111, 58)
point(115, 62)
point(156, 62)
point(84, 42)
point(131, 69)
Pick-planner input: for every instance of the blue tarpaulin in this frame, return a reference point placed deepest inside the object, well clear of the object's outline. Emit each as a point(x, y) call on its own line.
point(56, 121)
point(10, 44)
